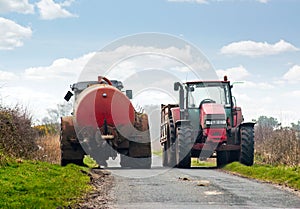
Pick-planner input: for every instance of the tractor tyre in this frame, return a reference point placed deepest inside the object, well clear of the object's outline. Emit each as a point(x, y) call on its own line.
point(184, 146)
point(222, 158)
point(247, 145)
point(234, 156)
point(172, 145)
point(165, 154)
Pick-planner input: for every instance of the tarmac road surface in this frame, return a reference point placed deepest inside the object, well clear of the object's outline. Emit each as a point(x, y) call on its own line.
point(194, 188)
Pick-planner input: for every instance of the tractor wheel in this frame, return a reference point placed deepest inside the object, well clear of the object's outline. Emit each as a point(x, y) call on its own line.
point(184, 146)
point(234, 156)
point(165, 155)
point(247, 145)
point(172, 145)
point(222, 158)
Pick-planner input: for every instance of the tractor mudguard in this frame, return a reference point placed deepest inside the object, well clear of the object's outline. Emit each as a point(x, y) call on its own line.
point(251, 124)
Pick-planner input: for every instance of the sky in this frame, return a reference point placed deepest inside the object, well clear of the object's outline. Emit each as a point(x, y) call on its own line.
point(45, 44)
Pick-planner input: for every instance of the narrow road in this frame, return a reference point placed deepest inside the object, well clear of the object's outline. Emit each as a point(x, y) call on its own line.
point(194, 188)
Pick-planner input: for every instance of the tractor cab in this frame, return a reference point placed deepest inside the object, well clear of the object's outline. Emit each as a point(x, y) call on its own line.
point(208, 109)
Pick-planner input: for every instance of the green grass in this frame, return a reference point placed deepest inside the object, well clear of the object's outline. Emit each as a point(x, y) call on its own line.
point(197, 163)
point(283, 175)
point(31, 184)
point(90, 162)
point(155, 152)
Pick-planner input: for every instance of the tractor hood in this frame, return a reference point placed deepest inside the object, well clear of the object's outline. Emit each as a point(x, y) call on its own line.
point(213, 121)
point(212, 115)
point(213, 109)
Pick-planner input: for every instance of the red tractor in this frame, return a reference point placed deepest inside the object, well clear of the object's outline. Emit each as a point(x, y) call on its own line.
point(206, 122)
point(104, 123)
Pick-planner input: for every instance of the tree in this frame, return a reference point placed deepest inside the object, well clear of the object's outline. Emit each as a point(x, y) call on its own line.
point(296, 126)
point(268, 122)
point(54, 115)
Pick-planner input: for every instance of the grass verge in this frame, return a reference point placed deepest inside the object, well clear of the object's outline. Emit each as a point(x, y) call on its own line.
point(195, 162)
point(29, 184)
point(282, 175)
point(155, 152)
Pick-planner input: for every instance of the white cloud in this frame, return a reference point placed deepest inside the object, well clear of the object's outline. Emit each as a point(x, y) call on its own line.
point(50, 10)
point(233, 74)
point(251, 48)
point(66, 3)
point(292, 94)
point(257, 85)
point(12, 34)
point(7, 76)
point(20, 6)
point(263, 1)
point(60, 69)
point(293, 75)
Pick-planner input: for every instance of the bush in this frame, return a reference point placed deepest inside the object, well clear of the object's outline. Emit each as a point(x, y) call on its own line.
point(48, 129)
point(17, 137)
point(276, 147)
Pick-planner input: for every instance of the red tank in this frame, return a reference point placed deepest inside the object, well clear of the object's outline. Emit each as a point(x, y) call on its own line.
point(105, 125)
point(101, 102)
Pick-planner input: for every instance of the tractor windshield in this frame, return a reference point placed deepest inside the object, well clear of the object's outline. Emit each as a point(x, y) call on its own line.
point(211, 91)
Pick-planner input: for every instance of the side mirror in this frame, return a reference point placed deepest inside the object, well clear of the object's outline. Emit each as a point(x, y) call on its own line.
point(176, 86)
point(129, 94)
point(68, 96)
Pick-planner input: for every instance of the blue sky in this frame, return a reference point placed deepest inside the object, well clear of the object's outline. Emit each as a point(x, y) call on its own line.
point(254, 41)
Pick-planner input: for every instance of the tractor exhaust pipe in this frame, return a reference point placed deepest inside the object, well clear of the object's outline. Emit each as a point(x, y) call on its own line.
point(178, 86)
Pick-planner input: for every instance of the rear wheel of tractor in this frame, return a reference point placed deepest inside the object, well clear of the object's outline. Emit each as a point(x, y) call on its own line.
point(184, 146)
point(247, 146)
point(165, 154)
point(222, 158)
point(172, 145)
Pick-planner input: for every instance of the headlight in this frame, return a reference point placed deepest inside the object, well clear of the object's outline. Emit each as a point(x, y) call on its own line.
point(215, 122)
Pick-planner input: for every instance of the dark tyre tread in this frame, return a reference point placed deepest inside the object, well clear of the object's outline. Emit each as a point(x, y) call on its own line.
point(135, 163)
point(184, 145)
point(68, 148)
point(247, 146)
point(222, 158)
point(165, 154)
point(172, 149)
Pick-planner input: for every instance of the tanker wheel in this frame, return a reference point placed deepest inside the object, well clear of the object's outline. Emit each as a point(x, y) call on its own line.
point(247, 145)
point(184, 146)
point(71, 153)
point(65, 162)
point(222, 158)
point(71, 150)
point(135, 163)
